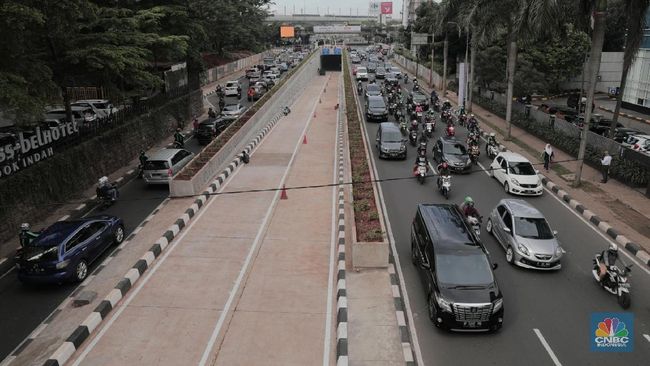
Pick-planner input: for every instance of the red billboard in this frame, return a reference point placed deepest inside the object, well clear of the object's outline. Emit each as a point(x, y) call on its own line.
point(387, 7)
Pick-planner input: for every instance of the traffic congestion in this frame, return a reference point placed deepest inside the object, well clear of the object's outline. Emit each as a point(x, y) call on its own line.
point(482, 244)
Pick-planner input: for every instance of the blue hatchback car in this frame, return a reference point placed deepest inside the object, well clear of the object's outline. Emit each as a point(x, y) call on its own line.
point(63, 251)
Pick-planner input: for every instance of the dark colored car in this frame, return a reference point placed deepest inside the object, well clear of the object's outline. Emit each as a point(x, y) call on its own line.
point(621, 134)
point(390, 143)
point(391, 79)
point(64, 251)
point(372, 67)
point(461, 290)
point(453, 152)
point(376, 109)
point(210, 129)
point(380, 73)
point(373, 90)
point(603, 126)
point(417, 98)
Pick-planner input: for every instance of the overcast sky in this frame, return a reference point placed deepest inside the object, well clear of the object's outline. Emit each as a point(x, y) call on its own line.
point(335, 6)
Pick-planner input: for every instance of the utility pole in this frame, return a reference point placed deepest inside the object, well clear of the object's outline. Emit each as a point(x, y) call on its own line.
point(466, 70)
point(433, 45)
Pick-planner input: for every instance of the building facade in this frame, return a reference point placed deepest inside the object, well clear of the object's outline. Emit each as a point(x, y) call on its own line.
point(408, 11)
point(637, 88)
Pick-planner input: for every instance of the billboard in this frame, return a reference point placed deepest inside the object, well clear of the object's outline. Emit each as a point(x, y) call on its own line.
point(337, 29)
point(287, 31)
point(387, 7)
point(373, 9)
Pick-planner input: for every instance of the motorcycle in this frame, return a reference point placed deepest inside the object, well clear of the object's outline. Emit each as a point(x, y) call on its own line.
point(474, 153)
point(421, 172)
point(359, 89)
point(436, 106)
point(428, 128)
point(462, 118)
point(615, 281)
point(475, 223)
point(416, 87)
point(391, 108)
point(491, 150)
point(472, 139)
point(444, 185)
point(406, 79)
point(403, 127)
point(413, 137)
point(450, 131)
point(104, 198)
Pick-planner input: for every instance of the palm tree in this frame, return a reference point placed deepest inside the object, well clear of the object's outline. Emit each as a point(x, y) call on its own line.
point(598, 8)
point(635, 18)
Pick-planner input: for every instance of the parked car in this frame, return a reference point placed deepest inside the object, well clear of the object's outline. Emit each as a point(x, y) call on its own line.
point(516, 174)
point(210, 129)
point(456, 272)
point(232, 111)
point(621, 134)
point(64, 251)
point(452, 152)
point(525, 235)
point(389, 142)
point(163, 164)
point(362, 73)
point(638, 142)
point(233, 88)
point(102, 107)
point(376, 109)
point(79, 114)
point(373, 90)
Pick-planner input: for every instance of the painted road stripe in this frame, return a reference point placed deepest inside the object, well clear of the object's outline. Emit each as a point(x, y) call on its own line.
point(647, 337)
point(547, 347)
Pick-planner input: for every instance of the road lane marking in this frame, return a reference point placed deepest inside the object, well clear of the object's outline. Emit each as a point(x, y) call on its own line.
point(254, 248)
point(547, 347)
point(6, 273)
point(647, 337)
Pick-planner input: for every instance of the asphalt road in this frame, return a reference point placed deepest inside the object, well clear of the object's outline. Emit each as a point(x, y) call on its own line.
point(24, 307)
point(558, 304)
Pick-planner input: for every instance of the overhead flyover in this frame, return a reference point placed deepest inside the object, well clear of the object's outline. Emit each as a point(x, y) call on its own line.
point(319, 19)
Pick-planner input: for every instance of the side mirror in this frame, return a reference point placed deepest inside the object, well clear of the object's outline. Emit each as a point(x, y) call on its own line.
point(378, 139)
point(495, 266)
point(507, 229)
point(505, 170)
point(554, 232)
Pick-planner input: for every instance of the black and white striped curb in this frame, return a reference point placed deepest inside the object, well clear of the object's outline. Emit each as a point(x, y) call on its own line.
point(83, 331)
point(402, 319)
point(630, 116)
point(341, 290)
point(603, 226)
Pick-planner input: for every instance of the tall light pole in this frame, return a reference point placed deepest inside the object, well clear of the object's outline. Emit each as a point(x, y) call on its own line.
point(444, 67)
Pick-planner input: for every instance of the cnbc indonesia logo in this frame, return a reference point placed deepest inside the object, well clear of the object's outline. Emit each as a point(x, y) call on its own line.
point(612, 332)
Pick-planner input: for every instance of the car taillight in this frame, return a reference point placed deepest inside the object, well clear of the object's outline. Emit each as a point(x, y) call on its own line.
point(636, 146)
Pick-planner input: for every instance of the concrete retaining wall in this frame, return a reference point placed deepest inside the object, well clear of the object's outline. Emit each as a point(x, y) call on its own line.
point(219, 72)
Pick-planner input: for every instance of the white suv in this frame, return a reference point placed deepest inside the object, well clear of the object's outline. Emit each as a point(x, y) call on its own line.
point(362, 73)
point(233, 88)
point(516, 174)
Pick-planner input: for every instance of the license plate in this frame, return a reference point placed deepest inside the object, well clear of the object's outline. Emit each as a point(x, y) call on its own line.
point(423, 170)
point(544, 264)
point(471, 324)
point(624, 285)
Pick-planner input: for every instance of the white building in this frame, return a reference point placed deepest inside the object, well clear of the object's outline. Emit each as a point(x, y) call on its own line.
point(408, 11)
point(637, 88)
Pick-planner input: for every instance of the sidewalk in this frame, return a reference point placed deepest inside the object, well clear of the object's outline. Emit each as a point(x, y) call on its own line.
point(622, 207)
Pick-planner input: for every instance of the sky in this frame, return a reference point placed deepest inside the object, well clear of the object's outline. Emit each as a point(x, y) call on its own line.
point(335, 6)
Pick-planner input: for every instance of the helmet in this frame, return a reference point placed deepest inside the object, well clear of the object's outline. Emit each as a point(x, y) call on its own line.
point(178, 130)
point(445, 165)
point(471, 115)
point(103, 180)
point(423, 145)
point(24, 226)
point(469, 201)
point(613, 249)
point(492, 134)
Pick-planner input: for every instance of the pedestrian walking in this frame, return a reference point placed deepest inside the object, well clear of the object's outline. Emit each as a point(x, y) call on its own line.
point(547, 156)
point(605, 163)
point(195, 123)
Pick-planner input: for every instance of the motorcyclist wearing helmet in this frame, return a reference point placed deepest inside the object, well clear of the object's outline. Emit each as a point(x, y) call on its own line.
point(418, 109)
point(492, 139)
point(105, 189)
point(608, 259)
point(468, 208)
point(443, 170)
point(446, 104)
point(421, 157)
point(422, 148)
point(26, 236)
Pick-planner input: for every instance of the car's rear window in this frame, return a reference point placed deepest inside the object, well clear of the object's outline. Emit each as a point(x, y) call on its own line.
point(231, 107)
point(376, 103)
point(156, 165)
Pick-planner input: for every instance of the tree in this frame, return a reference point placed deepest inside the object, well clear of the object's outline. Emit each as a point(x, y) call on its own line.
point(635, 14)
point(598, 8)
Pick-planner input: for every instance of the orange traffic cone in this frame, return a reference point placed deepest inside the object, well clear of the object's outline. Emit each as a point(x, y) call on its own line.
point(283, 195)
point(304, 139)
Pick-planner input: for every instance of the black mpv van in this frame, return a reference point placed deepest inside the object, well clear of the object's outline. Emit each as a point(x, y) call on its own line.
point(462, 293)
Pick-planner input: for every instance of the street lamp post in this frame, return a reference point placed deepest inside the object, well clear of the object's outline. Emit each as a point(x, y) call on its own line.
point(433, 44)
point(444, 67)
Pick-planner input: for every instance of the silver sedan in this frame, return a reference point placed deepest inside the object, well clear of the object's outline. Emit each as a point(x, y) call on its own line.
point(525, 235)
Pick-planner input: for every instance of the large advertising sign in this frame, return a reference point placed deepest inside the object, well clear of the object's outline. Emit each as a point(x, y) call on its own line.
point(373, 9)
point(287, 31)
point(337, 29)
point(387, 7)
